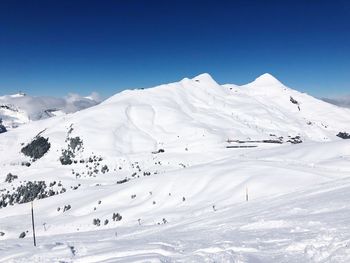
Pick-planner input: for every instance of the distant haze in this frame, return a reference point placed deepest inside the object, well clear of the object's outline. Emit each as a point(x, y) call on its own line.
point(35, 105)
point(341, 101)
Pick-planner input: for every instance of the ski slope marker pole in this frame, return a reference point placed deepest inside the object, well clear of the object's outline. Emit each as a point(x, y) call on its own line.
point(33, 224)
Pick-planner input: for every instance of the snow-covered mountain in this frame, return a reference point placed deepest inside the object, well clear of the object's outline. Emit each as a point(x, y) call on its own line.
point(164, 174)
point(19, 109)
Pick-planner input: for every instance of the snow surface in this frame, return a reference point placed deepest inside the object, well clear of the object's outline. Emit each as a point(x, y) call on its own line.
point(188, 203)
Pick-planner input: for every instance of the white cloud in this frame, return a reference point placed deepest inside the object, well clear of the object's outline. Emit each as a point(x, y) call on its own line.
point(340, 101)
point(36, 107)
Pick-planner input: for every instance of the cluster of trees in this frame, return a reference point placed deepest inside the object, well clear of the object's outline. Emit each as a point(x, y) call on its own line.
point(28, 192)
point(36, 148)
point(343, 135)
point(115, 217)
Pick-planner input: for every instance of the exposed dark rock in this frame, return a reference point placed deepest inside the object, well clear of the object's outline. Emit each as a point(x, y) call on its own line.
point(8, 107)
point(22, 235)
point(292, 100)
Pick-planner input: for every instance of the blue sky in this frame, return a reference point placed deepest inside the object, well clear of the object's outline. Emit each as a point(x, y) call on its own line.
point(56, 47)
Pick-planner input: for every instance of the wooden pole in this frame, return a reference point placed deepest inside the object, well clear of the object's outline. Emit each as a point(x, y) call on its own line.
point(33, 224)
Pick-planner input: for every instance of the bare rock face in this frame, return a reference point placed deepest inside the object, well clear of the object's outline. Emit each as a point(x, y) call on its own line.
point(292, 100)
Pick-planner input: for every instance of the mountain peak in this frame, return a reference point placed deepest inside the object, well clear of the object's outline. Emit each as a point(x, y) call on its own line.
point(18, 95)
point(205, 78)
point(266, 80)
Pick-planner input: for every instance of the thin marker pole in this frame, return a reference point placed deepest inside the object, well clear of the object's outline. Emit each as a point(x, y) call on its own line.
point(33, 224)
point(246, 194)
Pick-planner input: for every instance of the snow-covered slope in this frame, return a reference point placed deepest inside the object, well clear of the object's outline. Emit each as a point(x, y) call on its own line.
point(163, 174)
point(19, 109)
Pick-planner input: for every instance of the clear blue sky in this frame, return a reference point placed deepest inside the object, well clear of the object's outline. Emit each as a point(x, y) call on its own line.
point(55, 47)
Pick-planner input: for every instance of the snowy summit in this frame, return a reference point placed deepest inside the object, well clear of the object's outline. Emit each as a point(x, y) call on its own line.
point(191, 171)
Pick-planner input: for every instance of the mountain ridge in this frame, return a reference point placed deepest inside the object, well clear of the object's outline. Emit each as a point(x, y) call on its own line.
point(143, 120)
point(147, 161)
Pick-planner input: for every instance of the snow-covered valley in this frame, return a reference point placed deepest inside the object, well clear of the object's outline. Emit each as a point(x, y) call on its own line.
point(164, 174)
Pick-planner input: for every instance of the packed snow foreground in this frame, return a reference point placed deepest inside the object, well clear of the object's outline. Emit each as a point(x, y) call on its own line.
point(191, 171)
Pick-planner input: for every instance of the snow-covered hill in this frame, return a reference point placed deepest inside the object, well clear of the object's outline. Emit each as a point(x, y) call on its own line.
point(163, 174)
point(19, 109)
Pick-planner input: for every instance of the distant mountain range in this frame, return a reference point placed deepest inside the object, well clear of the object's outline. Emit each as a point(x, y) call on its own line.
point(18, 109)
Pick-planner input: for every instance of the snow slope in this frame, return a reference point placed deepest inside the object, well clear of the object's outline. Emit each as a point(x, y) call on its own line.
point(305, 226)
point(176, 162)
